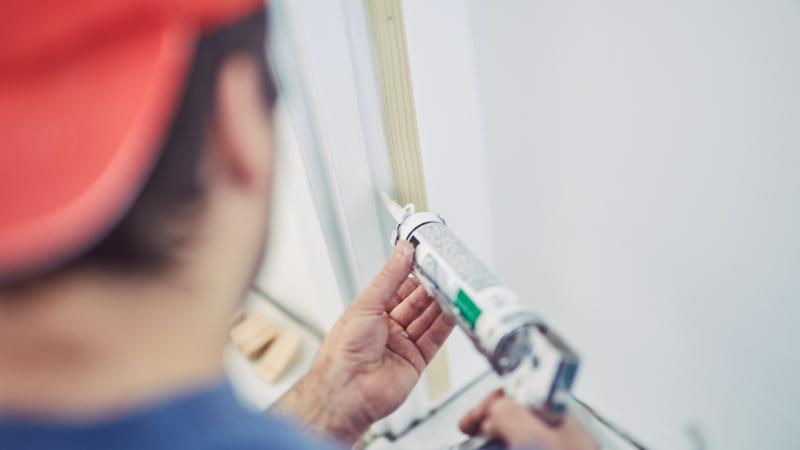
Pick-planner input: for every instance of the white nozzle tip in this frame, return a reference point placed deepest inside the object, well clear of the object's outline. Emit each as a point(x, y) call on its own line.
point(397, 211)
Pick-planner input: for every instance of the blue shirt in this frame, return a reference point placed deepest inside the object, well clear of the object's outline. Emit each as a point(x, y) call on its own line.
point(203, 420)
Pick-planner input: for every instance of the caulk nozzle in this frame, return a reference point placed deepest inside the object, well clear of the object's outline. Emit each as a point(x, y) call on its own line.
point(398, 212)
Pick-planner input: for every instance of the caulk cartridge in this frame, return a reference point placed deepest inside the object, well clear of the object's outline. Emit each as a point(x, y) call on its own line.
point(536, 366)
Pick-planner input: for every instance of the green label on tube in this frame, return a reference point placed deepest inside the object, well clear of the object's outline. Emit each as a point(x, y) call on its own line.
point(467, 307)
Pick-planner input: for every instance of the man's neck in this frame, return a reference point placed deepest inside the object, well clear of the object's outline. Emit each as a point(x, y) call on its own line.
point(91, 346)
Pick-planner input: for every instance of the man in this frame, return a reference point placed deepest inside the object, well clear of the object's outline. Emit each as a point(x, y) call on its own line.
point(135, 170)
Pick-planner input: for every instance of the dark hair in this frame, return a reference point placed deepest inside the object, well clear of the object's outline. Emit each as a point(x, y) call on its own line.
point(155, 225)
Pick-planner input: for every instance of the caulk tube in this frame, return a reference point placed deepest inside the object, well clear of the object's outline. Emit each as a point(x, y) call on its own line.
point(487, 311)
point(491, 314)
point(536, 366)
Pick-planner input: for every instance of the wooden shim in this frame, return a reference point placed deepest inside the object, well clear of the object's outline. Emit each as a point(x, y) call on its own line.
point(252, 334)
point(279, 356)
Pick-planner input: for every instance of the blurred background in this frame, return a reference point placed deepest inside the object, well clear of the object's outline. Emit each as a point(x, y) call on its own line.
point(631, 168)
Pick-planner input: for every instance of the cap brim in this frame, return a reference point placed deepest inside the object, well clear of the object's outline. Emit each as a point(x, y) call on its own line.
point(107, 114)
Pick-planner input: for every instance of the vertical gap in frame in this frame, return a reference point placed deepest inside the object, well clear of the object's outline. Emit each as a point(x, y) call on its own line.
point(413, 163)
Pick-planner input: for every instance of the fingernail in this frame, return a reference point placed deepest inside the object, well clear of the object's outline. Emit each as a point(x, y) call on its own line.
point(403, 249)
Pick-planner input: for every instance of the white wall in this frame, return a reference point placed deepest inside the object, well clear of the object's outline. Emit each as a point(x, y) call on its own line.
point(644, 163)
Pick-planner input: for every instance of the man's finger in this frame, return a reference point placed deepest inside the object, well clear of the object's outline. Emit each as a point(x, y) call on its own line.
point(432, 339)
point(411, 306)
point(471, 422)
point(378, 294)
point(403, 348)
point(516, 426)
point(423, 322)
point(407, 288)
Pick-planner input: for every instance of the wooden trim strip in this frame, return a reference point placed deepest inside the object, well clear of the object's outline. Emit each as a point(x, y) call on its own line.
point(402, 134)
point(400, 119)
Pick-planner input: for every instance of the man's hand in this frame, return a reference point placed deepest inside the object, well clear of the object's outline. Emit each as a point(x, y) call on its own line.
point(497, 417)
point(373, 356)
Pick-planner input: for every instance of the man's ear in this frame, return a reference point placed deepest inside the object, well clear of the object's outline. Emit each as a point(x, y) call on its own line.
point(242, 123)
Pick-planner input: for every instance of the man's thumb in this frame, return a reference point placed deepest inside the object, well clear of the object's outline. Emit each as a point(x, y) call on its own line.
point(377, 295)
point(516, 426)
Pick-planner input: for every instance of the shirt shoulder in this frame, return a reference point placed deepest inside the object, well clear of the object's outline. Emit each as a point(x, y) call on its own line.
point(207, 419)
point(261, 432)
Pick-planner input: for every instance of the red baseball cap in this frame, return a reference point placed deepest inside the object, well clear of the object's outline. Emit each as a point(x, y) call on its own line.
point(87, 91)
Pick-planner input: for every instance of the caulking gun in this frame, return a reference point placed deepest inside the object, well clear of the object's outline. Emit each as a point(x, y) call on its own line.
point(537, 367)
